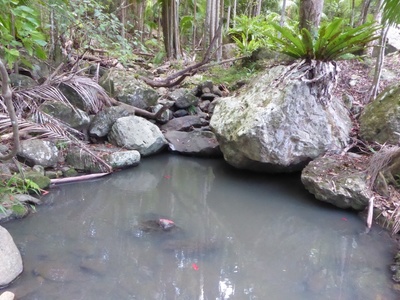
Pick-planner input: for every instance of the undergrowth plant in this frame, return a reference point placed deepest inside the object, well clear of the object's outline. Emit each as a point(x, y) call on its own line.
point(333, 42)
point(20, 28)
point(252, 33)
point(13, 186)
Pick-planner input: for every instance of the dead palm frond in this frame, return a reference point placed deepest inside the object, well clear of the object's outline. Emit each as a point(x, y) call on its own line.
point(53, 130)
point(38, 124)
point(94, 96)
point(383, 178)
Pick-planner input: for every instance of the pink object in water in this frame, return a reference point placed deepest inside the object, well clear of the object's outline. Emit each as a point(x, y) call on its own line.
point(166, 223)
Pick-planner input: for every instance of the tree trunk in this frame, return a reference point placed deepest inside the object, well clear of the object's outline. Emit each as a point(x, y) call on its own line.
point(170, 24)
point(283, 13)
point(378, 65)
point(364, 12)
point(310, 15)
point(7, 97)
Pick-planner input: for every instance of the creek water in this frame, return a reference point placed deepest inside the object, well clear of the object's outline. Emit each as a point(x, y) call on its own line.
point(241, 235)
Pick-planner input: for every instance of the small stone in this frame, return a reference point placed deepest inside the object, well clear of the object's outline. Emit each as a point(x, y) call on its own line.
point(39, 169)
point(7, 295)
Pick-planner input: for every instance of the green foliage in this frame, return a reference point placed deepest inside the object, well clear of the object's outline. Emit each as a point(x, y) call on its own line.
point(91, 26)
point(12, 186)
point(334, 41)
point(252, 33)
point(17, 185)
point(391, 12)
point(20, 27)
point(231, 76)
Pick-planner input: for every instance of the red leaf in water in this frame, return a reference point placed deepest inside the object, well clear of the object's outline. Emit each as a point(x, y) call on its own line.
point(167, 176)
point(44, 192)
point(195, 267)
point(344, 219)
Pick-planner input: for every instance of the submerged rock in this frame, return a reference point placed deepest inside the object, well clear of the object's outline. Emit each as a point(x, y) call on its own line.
point(157, 225)
point(191, 247)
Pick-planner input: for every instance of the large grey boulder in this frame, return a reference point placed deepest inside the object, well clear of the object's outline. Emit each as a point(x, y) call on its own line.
point(338, 180)
point(136, 133)
point(10, 258)
point(39, 152)
point(281, 128)
point(125, 87)
point(74, 117)
point(20, 81)
point(380, 119)
point(103, 121)
point(115, 157)
point(196, 143)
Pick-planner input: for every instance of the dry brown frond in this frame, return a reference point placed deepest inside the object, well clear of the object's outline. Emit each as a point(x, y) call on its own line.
point(383, 167)
point(94, 96)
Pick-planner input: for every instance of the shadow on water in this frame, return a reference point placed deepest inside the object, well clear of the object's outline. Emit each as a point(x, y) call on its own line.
point(237, 235)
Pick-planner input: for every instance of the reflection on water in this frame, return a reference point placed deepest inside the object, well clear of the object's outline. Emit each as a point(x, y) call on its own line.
point(239, 236)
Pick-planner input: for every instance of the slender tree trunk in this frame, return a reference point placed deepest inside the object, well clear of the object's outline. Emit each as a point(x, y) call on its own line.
point(7, 97)
point(283, 13)
point(364, 12)
point(228, 16)
point(378, 65)
point(123, 20)
point(234, 13)
point(310, 14)
point(194, 27)
point(170, 26)
point(258, 11)
point(353, 4)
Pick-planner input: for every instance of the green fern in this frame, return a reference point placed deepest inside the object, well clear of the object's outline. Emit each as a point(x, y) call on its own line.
point(334, 41)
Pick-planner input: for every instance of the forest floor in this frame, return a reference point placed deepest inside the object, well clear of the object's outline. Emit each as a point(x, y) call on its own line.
point(355, 80)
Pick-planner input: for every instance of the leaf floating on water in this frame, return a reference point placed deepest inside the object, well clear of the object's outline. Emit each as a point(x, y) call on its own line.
point(344, 219)
point(195, 267)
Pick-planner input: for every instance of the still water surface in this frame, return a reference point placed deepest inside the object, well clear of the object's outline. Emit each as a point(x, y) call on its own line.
point(241, 236)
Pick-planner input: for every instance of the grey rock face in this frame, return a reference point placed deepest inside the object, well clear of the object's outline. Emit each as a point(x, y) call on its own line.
point(74, 117)
point(103, 121)
point(128, 89)
point(184, 98)
point(136, 133)
point(278, 129)
point(197, 143)
point(335, 180)
point(183, 123)
point(21, 81)
point(10, 258)
point(380, 119)
point(113, 156)
point(39, 152)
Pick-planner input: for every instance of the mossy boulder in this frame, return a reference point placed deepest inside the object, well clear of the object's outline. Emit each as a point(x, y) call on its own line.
point(41, 180)
point(380, 120)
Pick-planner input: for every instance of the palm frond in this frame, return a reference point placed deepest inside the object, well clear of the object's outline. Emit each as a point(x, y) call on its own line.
point(391, 13)
point(333, 41)
point(94, 96)
point(49, 130)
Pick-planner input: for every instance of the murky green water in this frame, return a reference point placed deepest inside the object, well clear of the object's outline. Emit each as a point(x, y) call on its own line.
point(241, 236)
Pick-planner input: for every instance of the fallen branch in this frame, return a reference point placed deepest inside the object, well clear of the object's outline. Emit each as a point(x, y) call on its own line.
point(77, 178)
point(139, 111)
point(179, 76)
point(370, 212)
